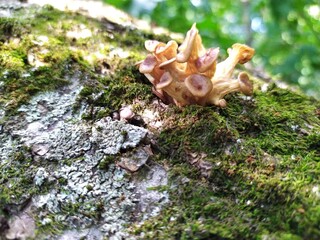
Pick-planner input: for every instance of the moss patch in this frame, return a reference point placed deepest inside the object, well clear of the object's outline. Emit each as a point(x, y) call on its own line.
point(264, 167)
point(40, 48)
point(17, 183)
point(111, 92)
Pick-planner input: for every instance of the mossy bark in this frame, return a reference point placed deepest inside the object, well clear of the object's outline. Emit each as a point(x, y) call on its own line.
point(248, 171)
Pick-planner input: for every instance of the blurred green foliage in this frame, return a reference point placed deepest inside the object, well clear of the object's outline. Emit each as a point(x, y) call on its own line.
point(285, 34)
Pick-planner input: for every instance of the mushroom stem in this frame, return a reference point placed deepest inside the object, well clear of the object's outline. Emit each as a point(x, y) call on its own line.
point(162, 95)
point(222, 87)
point(176, 70)
point(175, 89)
point(239, 53)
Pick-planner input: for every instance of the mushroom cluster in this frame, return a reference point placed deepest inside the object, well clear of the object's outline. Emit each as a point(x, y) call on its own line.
point(189, 74)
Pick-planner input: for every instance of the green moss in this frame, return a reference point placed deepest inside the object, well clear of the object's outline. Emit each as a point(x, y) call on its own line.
point(20, 80)
point(61, 56)
point(12, 27)
point(19, 87)
point(52, 227)
point(112, 92)
point(104, 163)
point(12, 59)
point(17, 183)
point(265, 161)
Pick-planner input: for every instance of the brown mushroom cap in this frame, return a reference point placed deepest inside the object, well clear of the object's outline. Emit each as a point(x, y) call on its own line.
point(187, 46)
point(151, 45)
point(148, 64)
point(206, 61)
point(169, 50)
point(245, 52)
point(198, 85)
point(245, 84)
point(165, 80)
point(166, 63)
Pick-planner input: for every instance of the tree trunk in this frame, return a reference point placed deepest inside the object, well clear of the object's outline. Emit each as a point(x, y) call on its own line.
point(86, 149)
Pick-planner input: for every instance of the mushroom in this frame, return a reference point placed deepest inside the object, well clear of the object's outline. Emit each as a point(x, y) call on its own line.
point(149, 67)
point(199, 86)
point(167, 63)
point(245, 84)
point(148, 64)
point(207, 63)
point(151, 45)
point(162, 51)
point(165, 80)
point(176, 70)
point(190, 51)
point(245, 52)
point(167, 51)
point(222, 87)
point(126, 113)
point(189, 74)
point(192, 47)
point(175, 89)
point(239, 53)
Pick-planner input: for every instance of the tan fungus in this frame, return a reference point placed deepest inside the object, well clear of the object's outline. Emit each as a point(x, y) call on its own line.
point(189, 74)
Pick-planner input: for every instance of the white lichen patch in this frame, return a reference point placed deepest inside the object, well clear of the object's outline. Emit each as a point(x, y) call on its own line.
point(69, 152)
point(315, 190)
point(40, 176)
point(157, 177)
point(94, 234)
point(97, 193)
point(111, 136)
point(119, 52)
point(79, 32)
